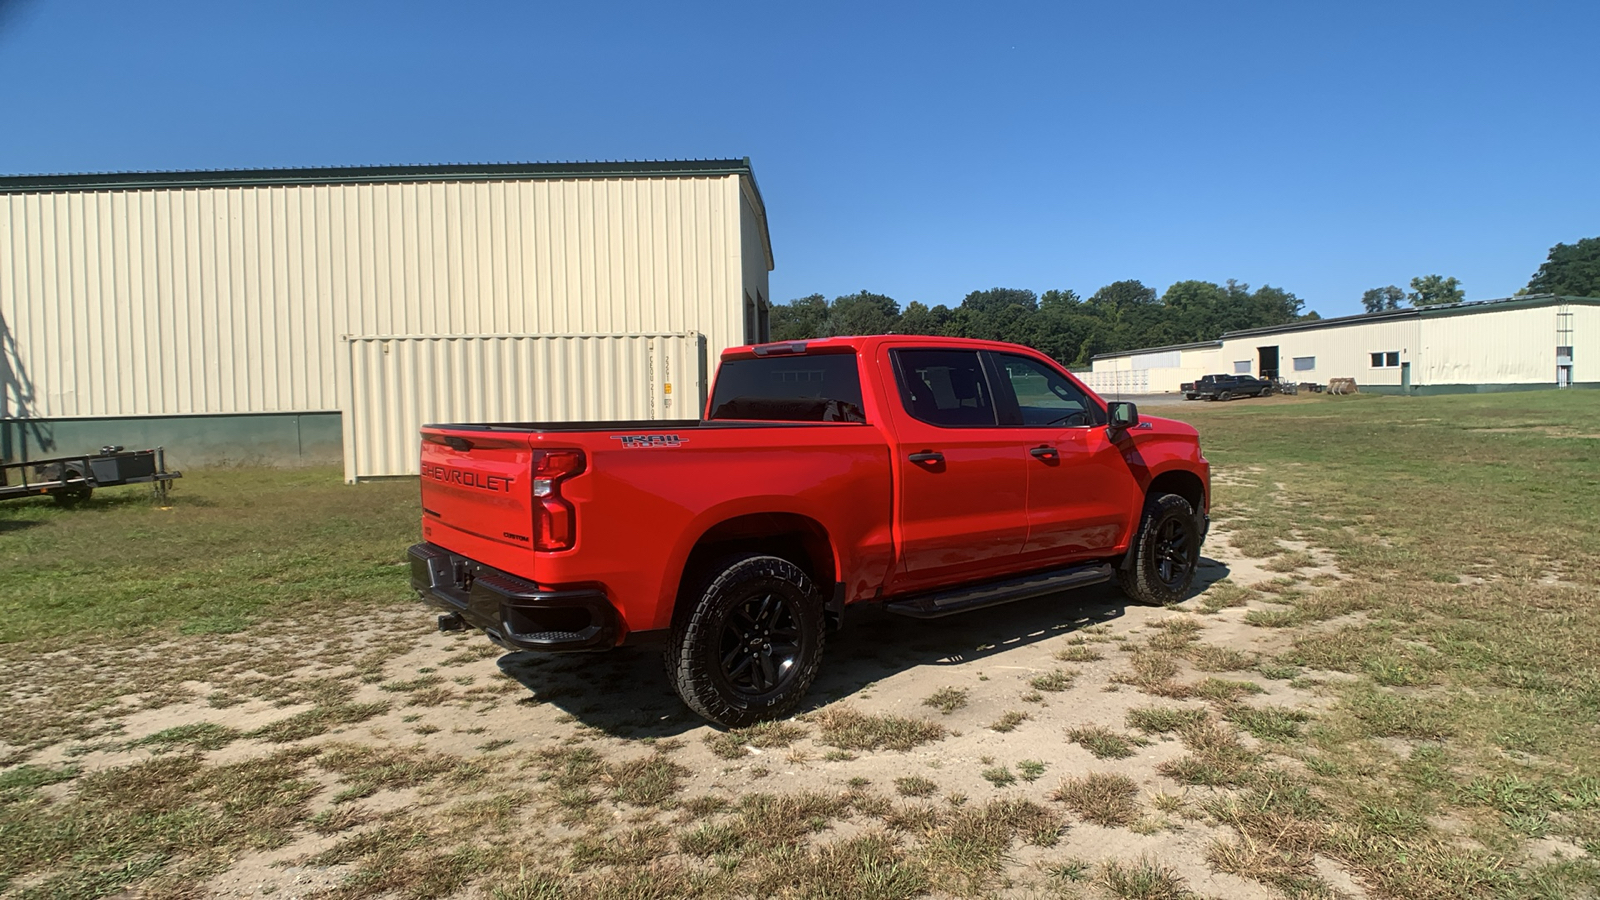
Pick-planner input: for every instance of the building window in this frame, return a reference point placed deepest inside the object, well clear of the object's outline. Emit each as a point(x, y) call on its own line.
point(1241, 367)
point(1305, 363)
point(1390, 360)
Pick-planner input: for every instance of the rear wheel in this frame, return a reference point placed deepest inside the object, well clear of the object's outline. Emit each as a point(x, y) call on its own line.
point(1225, 395)
point(752, 643)
point(76, 490)
point(1166, 552)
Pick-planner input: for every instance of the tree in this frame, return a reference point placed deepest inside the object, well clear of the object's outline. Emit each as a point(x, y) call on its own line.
point(1057, 299)
point(1120, 295)
point(1379, 299)
point(1274, 306)
point(919, 319)
point(799, 319)
point(1432, 290)
point(997, 299)
point(863, 313)
point(1571, 269)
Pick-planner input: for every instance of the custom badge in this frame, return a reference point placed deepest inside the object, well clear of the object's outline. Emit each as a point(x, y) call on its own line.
point(648, 441)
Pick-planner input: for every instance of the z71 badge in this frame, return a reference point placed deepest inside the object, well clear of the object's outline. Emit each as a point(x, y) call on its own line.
point(648, 441)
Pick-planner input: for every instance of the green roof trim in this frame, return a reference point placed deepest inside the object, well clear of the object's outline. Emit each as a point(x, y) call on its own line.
point(331, 175)
point(1467, 307)
point(1193, 345)
point(1526, 301)
point(110, 181)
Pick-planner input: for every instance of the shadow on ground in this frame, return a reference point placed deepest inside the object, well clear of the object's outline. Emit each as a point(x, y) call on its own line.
point(625, 693)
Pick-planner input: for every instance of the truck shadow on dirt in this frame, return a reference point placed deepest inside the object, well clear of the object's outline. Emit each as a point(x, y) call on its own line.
point(624, 693)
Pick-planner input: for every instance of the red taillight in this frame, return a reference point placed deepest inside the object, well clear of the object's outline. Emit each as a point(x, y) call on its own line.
point(554, 520)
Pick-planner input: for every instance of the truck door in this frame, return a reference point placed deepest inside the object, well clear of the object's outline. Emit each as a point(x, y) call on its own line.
point(1080, 489)
point(961, 486)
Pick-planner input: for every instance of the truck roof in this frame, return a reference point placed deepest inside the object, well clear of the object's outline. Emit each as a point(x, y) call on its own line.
point(867, 342)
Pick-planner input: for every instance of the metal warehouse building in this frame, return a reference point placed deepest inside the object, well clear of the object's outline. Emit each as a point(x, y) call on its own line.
point(1519, 343)
point(297, 316)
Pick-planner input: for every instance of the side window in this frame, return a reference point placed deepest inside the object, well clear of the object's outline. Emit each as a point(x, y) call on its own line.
point(945, 387)
point(1044, 396)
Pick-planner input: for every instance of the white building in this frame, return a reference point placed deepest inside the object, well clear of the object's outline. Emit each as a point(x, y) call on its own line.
point(307, 315)
point(1519, 343)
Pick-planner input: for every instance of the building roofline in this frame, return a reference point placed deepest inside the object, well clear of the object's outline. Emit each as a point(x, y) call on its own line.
point(1313, 324)
point(1196, 345)
point(191, 178)
point(332, 175)
point(1466, 307)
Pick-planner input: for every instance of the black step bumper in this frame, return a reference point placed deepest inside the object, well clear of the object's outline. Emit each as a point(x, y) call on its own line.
point(514, 613)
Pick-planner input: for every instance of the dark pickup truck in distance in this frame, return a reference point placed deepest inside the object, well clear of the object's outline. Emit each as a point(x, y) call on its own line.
point(1225, 387)
point(930, 475)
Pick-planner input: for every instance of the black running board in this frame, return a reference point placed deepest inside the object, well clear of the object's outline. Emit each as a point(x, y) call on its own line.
point(994, 593)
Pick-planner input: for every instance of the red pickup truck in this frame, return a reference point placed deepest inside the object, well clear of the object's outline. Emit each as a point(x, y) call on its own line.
point(930, 475)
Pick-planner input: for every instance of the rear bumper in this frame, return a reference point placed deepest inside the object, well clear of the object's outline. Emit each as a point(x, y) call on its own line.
point(513, 612)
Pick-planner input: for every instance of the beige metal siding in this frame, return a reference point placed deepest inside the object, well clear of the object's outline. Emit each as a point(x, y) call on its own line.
point(753, 263)
point(1514, 346)
point(1155, 373)
point(1585, 344)
point(1341, 352)
point(231, 299)
point(1111, 383)
point(400, 383)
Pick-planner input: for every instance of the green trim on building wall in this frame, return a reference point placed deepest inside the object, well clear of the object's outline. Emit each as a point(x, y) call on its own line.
point(267, 439)
point(1431, 390)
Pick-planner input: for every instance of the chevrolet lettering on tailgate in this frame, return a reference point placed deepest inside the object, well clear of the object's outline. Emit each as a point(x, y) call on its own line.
point(467, 478)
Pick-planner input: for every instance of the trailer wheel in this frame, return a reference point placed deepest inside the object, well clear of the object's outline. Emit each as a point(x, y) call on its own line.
point(1166, 552)
point(73, 493)
point(751, 645)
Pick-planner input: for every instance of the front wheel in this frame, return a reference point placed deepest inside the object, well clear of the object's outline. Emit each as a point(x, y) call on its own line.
point(752, 643)
point(1166, 552)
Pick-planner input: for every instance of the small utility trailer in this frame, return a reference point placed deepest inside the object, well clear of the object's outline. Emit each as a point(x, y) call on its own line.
point(71, 479)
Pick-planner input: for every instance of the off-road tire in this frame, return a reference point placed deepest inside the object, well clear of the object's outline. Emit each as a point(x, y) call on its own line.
point(728, 625)
point(1166, 517)
point(1225, 396)
point(1265, 392)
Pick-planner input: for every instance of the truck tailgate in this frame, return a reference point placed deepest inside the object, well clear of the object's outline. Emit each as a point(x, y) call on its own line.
point(479, 483)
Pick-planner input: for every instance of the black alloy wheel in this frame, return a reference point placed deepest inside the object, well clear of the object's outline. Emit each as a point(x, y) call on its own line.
point(1165, 554)
point(1174, 554)
point(747, 645)
point(760, 643)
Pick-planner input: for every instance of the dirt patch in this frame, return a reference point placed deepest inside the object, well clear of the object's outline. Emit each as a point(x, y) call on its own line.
point(430, 761)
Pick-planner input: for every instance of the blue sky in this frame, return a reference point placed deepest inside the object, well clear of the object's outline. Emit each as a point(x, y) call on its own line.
point(918, 150)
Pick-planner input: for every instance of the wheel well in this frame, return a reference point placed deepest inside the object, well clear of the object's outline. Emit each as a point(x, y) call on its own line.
point(798, 539)
point(1185, 484)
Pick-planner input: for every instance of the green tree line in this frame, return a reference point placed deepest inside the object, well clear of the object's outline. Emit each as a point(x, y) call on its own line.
point(1124, 315)
point(1127, 315)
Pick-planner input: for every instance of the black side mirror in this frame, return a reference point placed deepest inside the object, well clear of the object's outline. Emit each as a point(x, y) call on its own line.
point(1123, 415)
